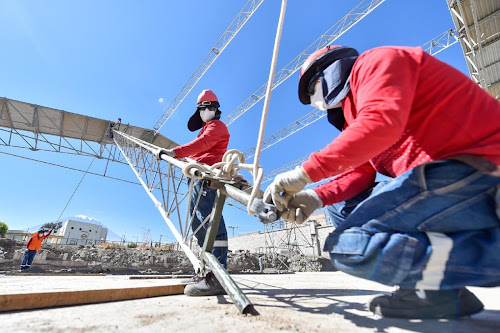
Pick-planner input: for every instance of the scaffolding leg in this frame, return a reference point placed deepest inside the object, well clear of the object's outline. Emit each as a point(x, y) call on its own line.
point(207, 258)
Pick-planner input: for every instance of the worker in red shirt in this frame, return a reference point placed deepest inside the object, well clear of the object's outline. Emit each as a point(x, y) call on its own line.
point(433, 228)
point(208, 148)
point(34, 244)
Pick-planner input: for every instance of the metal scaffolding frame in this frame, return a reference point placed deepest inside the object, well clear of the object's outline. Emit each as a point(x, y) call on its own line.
point(288, 130)
point(478, 25)
point(280, 240)
point(246, 12)
point(39, 128)
point(441, 42)
point(270, 175)
point(159, 179)
point(348, 21)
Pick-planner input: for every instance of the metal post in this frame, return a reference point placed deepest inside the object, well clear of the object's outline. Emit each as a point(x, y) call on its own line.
point(220, 272)
point(232, 227)
point(213, 225)
point(232, 289)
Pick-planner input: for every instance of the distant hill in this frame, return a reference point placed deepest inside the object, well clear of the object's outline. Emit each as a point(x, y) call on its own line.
point(82, 218)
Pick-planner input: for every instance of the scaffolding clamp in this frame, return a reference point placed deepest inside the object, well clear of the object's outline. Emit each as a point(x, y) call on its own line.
point(265, 212)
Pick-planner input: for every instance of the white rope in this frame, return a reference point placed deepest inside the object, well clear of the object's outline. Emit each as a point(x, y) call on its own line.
point(229, 167)
point(77, 186)
point(257, 170)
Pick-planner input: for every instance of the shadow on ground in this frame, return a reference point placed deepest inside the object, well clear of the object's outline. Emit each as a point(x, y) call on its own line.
point(307, 300)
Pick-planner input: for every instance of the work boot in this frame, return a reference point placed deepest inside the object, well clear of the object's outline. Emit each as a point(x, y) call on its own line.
point(426, 304)
point(206, 286)
point(194, 279)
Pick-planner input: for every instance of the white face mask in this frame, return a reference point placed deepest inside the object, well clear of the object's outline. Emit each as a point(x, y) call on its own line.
point(317, 99)
point(207, 115)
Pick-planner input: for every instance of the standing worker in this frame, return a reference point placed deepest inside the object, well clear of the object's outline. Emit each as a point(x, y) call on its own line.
point(434, 228)
point(208, 148)
point(34, 244)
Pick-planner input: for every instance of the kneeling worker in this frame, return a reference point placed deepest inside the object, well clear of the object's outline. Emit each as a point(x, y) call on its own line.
point(434, 228)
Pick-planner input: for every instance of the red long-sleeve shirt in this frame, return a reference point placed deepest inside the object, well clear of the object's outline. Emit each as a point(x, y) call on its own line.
point(405, 108)
point(209, 146)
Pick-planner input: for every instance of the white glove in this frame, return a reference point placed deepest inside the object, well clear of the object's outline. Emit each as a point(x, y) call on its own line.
point(289, 183)
point(301, 206)
point(168, 152)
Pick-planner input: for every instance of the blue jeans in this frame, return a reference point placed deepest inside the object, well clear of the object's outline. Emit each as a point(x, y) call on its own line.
point(204, 209)
point(28, 257)
point(434, 227)
point(340, 210)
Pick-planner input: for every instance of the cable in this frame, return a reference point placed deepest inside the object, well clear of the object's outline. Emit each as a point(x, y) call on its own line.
point(75, 190)
point(257, 171)
point(70, 168)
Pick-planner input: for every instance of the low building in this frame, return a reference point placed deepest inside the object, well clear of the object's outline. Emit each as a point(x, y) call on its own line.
point(80, 233)
point(71, 233)
point(19, 234)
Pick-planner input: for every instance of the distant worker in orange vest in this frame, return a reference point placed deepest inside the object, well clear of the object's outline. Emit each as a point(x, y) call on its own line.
point(34, 244)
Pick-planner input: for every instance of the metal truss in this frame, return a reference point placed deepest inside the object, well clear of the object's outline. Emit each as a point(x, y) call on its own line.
point(348, 21)
point(38, 128)
point(288, 130)
point(107, 152)
point(165, 182)
point(476, 34)
point(441, 42)
point(270, 176)
point(471, 54)
point(159, 181)
point(250, 7)
point(42, 142)
point(283, 241)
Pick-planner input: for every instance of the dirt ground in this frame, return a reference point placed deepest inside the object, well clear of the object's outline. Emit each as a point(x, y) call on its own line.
point(300, 302)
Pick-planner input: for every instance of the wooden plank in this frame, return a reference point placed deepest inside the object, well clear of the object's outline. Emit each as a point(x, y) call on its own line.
point(56, 274)
point(145, 277)
point(14, 302)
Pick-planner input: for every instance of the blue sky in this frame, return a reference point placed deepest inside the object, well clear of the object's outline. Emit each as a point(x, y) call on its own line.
point(110, 59)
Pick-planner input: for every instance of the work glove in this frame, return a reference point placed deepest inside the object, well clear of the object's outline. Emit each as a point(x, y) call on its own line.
point(168, 152)
point(284, 186)
point(301, 206)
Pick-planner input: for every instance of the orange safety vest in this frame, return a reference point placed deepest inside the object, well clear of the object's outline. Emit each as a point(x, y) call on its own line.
point(35, 242)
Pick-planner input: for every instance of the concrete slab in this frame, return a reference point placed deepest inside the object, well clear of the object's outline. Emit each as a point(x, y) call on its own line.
point(300, 302)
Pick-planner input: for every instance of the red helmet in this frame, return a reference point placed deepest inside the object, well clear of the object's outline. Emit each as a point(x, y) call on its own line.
point(206, 98)
point(316, 63)
point(207, 95)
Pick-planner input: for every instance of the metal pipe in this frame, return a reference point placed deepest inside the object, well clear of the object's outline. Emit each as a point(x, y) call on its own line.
point(236, 194)
point(240, 300)
point(193, 172)
point(265, 212)
point(154, 149)
point(213, 225)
